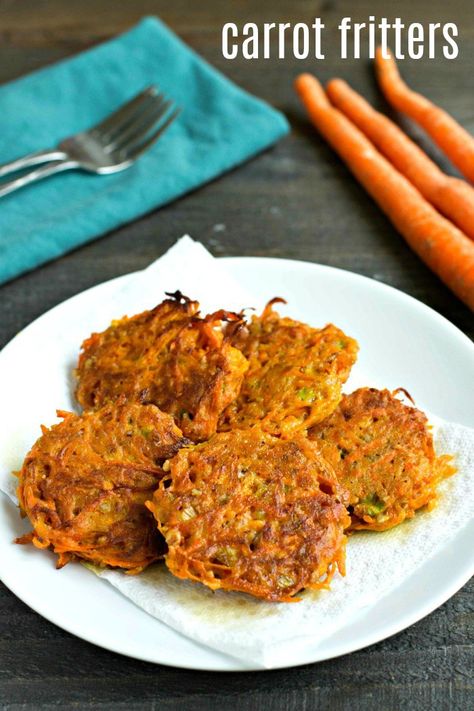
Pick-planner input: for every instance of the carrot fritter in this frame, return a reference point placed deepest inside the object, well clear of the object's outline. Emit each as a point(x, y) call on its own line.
point(250, 512)
point(168, 356)
point(295, 374)
point(84, 483)
point(382, 452)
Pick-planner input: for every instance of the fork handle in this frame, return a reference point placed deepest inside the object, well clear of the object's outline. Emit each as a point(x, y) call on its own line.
point(32, 159)
point(44, 171)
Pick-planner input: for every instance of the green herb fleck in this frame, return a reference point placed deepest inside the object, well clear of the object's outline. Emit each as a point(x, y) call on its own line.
point(306, 394)
point(373, 505)
point(188, 513)
point(227, 556)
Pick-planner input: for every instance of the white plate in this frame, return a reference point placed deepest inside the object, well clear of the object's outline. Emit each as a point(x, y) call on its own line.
point(404, 343)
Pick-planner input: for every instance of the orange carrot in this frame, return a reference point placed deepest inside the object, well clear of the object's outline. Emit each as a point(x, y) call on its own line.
point(451, 196)
point(444, 248)
point(452, 138)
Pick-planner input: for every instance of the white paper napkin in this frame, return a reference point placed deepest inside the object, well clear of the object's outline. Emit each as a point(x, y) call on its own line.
point(254, 631)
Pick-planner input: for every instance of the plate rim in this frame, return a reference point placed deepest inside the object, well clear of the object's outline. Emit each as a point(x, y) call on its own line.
point(375, 283)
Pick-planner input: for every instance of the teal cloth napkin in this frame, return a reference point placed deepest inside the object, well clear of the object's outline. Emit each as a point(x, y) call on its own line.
point(220, 126)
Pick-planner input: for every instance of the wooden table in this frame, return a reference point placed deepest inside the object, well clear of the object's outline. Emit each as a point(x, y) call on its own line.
point(298, 201)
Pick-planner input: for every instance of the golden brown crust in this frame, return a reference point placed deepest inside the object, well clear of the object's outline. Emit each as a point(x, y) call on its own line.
point(84, 483)
point(295, 374)
point(382, 452)
point(250, 512)
point(169, 357)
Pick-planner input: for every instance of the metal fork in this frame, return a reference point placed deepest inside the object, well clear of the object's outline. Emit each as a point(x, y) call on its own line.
point(111, 146)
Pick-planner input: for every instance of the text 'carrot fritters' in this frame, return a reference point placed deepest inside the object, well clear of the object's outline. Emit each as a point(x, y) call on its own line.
point(249, 512)
point(84, 483)
point(295, 374)
point(170, 357)
point(382, 452)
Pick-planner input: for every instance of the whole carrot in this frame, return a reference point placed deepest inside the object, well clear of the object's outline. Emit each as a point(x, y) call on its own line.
point(452, 138)
point(444, 248)
point(451, 196)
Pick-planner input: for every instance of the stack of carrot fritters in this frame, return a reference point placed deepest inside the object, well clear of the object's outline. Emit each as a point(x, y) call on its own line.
point(228, 447)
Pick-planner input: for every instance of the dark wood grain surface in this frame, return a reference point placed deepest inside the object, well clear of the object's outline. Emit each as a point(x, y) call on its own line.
point(296, 201)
